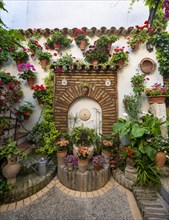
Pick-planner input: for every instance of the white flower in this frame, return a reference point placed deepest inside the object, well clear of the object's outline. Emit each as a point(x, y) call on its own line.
point(125, 115)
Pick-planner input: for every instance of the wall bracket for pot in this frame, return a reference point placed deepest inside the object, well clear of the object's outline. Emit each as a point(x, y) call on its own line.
point(147, 65)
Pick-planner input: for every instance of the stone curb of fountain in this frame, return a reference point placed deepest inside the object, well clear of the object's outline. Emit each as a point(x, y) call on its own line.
point(149, 201)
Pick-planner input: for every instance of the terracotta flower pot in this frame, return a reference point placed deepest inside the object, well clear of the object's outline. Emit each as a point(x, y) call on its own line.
point(82, 165)
point(108, 46)
point(44, 63)
point(56, 46)
point(10, 171)
point(95, 62)
point(120, 63)
point(107, 155)
point(69, 166)
point(40, 101)
point(31, 81)
point(160, 159)
point(60, 156)
point(157, 99)
point(82, 44)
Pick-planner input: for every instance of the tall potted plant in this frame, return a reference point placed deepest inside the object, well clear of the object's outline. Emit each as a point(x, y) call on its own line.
point(12, 155)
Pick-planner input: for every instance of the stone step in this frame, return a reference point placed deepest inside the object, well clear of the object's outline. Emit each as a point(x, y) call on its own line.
point(164, 189)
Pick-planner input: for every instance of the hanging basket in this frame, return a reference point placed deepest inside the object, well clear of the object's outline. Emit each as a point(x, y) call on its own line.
point(147, 65)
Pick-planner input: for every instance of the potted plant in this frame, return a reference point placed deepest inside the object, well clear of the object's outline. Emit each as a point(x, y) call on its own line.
point(20, 56)
point(34, 45)
point(83, 156)
point(98, 162)
point(58, 40)
point(11, 153)
point(9, 88)
point(137, 82)
point(63, 63)
point(157, 93)
point(70, 161)
point(119, 57)
point(106, 41)
point(24, 111)
point(27, 71)
point(80, 38)
point(107, 144)
point(139, 34)
point(162, 146)
point(39, 92)
point(44, 58)
point(83, 136)
point(61, 147)
point(96, 55)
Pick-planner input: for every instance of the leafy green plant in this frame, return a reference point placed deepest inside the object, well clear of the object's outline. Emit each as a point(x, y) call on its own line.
point(139, 132)
point(4, 187)
point(83, 136)
point(9, 150)
point(4, 122)
point(64, 61)
point(161, 42)
point(94, 53)
point(131, 106)
point(58, 39)
point(20, 55)
point(148, 175)
point(44, 55)
point(105, 39)
point(137, 82)
point(34, 45)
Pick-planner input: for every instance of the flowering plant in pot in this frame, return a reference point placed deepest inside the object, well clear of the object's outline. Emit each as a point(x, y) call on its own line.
point(39, 92)
point(24, 111)
point(157, 93)
point(139, 34)
point(119, 57)
point(34, 45)
point(99, 162)
point(105, 41)
point(96, 54)
point(70, 161)
point(9, 88)
point(80, 38)
point(58, 40)
point(26, 70)
point(83, 153)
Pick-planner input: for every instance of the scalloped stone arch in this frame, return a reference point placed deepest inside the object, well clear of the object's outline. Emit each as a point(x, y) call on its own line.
point(105, 96)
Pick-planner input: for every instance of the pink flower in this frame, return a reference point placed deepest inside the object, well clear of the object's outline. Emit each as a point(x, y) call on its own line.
point(55, 54)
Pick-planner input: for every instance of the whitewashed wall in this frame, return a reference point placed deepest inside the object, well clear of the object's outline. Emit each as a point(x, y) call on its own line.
point(52, 14)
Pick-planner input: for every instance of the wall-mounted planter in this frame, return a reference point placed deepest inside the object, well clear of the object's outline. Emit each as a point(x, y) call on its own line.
point(147, 65)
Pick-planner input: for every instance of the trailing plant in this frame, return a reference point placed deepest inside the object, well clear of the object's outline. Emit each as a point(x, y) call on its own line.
point(45, 134)
point(21, 55)
point(34, 45)
point(10, 89)
point(161, 42)
point(95, 53)
point(137, 83)
point(159, 23)
point(58, 39)
point(105, 39)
